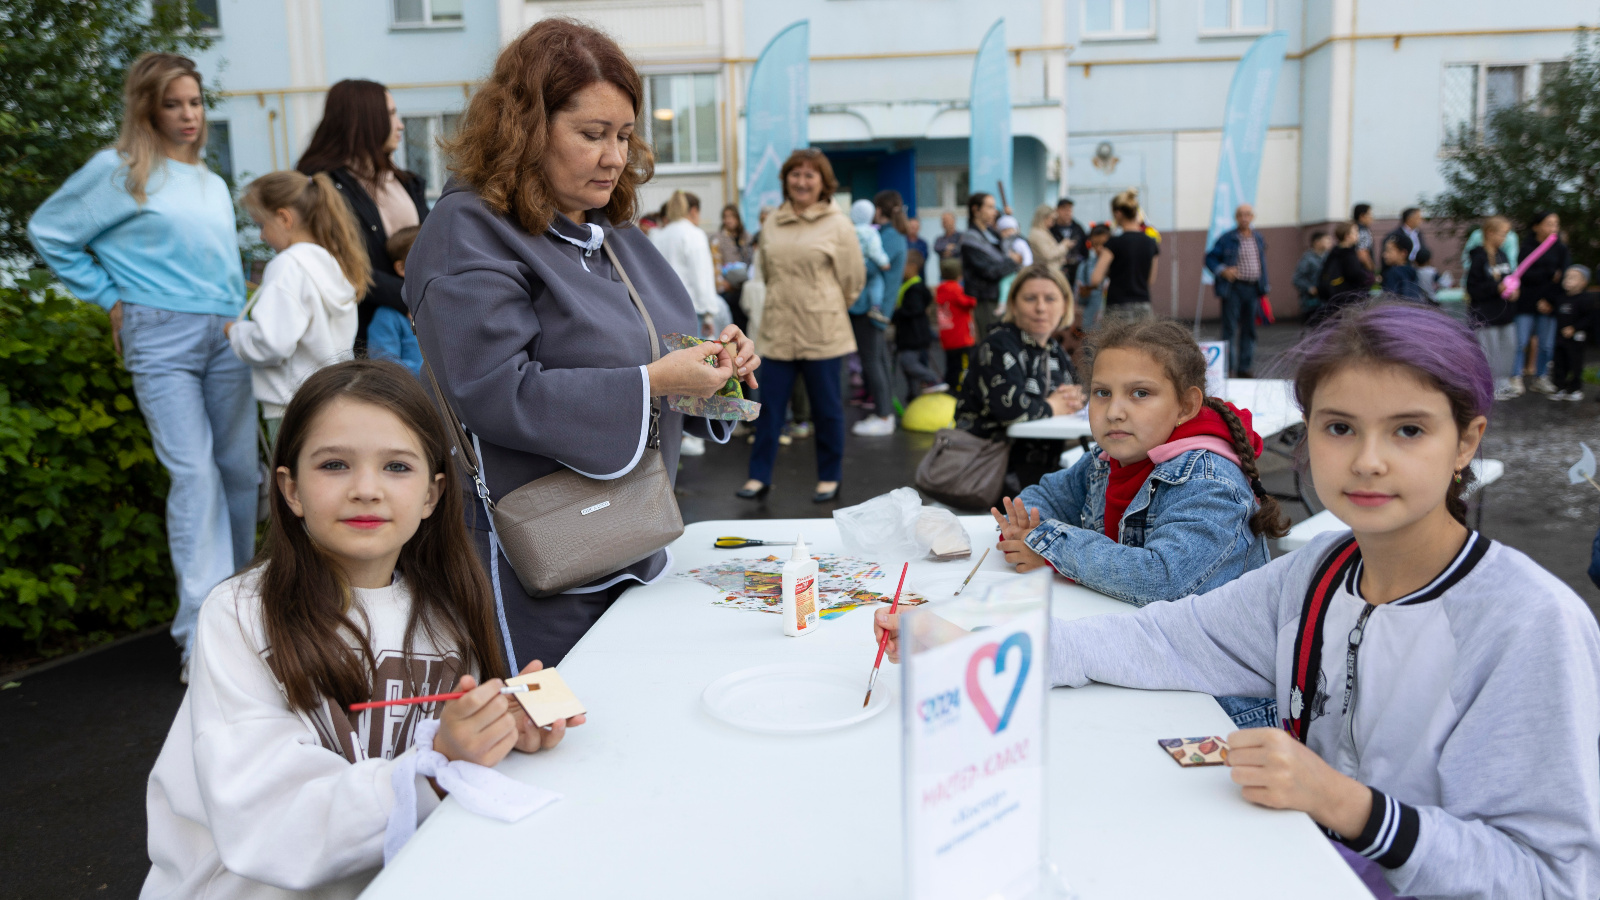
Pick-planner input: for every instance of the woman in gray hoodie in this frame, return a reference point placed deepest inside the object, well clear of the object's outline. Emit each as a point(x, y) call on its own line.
point(528, 326)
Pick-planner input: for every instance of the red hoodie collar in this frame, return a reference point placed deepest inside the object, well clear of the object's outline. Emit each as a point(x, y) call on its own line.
point(1125, 481)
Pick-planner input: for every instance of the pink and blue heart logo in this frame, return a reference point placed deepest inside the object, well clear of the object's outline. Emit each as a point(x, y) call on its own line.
point(997, 654)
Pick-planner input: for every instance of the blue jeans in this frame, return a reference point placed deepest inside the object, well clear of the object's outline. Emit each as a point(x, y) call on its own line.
point(196, 399)
point(1239, 302)
point(1547, 341)
point(827, 414)
point(1251, 712)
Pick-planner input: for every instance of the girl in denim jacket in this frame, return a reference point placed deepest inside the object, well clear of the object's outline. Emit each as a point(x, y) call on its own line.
point(1171, 505)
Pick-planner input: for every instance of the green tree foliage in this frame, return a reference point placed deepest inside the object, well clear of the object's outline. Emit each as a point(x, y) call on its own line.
point(82, 547)
point(1539, 156)
point(62, 63)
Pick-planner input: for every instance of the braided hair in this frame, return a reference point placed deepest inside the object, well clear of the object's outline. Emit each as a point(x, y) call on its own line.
point(1173, 347)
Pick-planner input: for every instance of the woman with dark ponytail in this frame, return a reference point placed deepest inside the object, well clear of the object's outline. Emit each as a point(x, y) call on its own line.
point(1170, 503)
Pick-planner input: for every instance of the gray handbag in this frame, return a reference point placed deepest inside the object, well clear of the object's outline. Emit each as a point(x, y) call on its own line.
point(963, 470)
point(565, 530)
point(966, 471)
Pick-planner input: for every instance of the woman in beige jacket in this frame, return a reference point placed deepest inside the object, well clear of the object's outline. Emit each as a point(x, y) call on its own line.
point(812, 265)
point(1046, 249)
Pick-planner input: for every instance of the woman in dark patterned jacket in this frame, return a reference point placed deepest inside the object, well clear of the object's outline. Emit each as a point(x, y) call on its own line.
point(1020, 373)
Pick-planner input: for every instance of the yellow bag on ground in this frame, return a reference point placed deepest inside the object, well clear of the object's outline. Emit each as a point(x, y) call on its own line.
point(929, 413)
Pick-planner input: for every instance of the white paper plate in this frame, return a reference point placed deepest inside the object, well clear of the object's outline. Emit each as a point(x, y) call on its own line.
point(791, 698)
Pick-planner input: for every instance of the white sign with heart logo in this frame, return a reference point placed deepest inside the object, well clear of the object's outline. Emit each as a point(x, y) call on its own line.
point(1216, 367)
point(975, 765)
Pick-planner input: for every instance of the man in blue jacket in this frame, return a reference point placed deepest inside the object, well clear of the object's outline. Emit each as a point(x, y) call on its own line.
point(1238, 261)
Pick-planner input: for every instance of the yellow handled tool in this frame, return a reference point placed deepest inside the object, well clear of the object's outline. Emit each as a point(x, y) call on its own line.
point(733, 543)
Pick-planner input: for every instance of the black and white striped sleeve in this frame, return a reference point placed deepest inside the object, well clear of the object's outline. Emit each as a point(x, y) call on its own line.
point(1390, 834)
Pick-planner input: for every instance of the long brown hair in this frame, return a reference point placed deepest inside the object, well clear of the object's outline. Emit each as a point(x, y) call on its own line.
point(893, 208)
point(1182, 361)
point(323, 212)
point(140, 142)
point(505, 133)
point(305, 601)
point(353, 130)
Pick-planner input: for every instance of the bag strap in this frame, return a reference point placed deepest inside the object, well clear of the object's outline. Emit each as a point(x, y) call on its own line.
point(458, 435)
point(1308, 642)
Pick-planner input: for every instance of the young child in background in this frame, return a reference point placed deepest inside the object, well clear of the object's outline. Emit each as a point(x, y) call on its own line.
point(1011, 241)
point(1427, 274)
point(1307, 270)
point(1170, 504)
point(1441, 691)
point(913, 332)
point(367, 589)
point(390, 336)
point(1092, 296)
point(955, 320)
point(1576, 320)
point(1399, 278)
point(303, 316)
point(871, 296)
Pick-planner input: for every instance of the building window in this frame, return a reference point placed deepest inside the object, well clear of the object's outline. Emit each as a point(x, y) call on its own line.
point(1118, 19)
point(206, 12)
point(219, 150)
point(421, 146)
point(427, 13)
point(1231, 17)
point(1470, 93)
point(942, 189)
point(682, 118)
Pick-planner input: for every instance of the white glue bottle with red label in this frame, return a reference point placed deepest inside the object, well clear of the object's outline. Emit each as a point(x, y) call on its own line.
point(801, 605)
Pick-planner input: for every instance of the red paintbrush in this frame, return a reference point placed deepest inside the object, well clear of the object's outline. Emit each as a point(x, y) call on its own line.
point(435, 698)
point(883, 642)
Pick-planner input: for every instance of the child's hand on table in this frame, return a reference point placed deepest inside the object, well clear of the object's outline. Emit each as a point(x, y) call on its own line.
point(1015, 525)
point(477, 727)
point(530, 737)
point(1279, 772)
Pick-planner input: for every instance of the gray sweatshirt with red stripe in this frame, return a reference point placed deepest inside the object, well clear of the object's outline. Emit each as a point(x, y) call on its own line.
point(1471, 707)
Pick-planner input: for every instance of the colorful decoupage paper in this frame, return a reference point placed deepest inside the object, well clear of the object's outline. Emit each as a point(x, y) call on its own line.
point(728, 404)
point(1197, 751)
point(845, 583)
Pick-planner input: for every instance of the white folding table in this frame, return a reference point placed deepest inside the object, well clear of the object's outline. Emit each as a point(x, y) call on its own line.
point(662, 800)
point(1270, 401)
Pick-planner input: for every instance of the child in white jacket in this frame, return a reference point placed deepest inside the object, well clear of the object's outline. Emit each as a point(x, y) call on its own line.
point(303, 316)
point(269, 784)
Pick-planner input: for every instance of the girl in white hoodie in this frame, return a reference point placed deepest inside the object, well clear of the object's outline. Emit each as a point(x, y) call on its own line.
point(367, 589)
point(303, 316)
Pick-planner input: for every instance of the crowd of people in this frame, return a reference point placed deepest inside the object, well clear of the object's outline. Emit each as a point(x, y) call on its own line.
point(414, 369)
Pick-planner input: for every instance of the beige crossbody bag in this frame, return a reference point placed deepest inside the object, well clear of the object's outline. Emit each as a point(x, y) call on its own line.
point(565, 530)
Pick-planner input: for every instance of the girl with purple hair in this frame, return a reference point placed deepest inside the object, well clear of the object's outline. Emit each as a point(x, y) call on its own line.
point(1440, 691)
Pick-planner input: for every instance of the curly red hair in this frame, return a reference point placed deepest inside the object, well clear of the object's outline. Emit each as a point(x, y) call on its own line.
point(500, 147)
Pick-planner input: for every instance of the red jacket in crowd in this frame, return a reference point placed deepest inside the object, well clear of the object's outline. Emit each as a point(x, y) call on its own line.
point(955, 316)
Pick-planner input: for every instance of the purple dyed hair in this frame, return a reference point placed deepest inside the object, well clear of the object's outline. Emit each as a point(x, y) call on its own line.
point(1392, 331)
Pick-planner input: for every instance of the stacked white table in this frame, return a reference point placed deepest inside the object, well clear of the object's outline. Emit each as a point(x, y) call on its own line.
point(1270, 401)
point(662, 800)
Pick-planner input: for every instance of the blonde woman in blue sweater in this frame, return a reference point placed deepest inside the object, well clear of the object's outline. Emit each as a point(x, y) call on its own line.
point(165, 266)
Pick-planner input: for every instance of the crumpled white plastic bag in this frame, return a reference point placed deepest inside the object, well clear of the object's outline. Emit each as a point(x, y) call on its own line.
point(897, 526)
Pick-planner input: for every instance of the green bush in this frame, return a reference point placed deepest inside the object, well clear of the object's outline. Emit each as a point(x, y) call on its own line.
point(82, 542)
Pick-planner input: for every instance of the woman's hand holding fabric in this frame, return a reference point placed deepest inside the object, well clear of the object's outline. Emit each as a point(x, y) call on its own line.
point(745, 360)
point(685, 373)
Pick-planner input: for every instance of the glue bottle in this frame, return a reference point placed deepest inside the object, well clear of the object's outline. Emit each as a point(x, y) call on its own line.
point(801, 607)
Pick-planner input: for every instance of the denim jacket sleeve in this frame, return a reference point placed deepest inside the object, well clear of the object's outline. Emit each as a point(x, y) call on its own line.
point(1059, 495)
point(1199, 523)
point(1224, 253)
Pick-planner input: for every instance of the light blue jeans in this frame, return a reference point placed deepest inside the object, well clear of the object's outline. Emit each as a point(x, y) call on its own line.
point(196, 399)
point(1546, 325)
